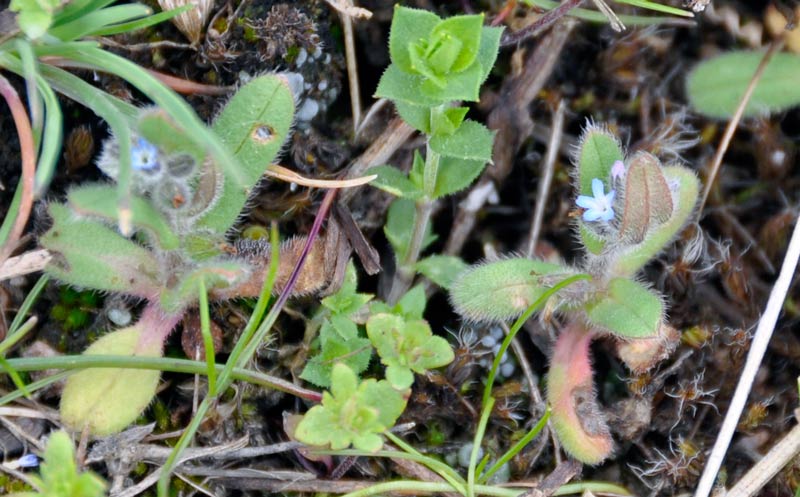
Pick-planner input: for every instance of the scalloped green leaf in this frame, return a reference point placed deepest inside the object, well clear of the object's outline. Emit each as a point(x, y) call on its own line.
point(408, 26)
point(406, 346)
point(352, 413)
point(471, 141)
point(393, 181)
point(455, 175)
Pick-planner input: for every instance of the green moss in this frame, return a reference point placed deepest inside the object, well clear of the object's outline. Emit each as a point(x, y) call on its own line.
point(291, 54)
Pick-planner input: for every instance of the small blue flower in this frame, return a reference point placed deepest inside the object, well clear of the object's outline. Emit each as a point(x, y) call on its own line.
point(600, 206)
point(144, 155)
point(28, 461)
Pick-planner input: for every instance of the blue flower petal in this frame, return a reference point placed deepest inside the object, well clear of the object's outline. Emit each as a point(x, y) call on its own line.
point(592, 215)
point(598, 190)
point(586, 202)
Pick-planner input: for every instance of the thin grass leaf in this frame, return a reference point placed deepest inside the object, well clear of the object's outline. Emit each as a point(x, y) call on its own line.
point(657, 7)
point(8, 221)
point(145, 22)
point(186, 366)
point(164, 97)
point(51, 138)
point(513, 451)
point(32, 387)
point(13, 339)
point(23, 310)
point(35, 103)
point(595, 16)
point(77, 9)
point(208, 340)
point(15, 377)
point(89, 23)
point(254, 333)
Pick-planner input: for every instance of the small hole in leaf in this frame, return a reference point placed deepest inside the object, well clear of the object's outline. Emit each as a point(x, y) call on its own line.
point(263, 134)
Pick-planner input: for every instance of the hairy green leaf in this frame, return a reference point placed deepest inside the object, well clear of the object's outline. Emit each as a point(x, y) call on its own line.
point(254, 126)
point(628, 310)
point(715, 87)
point(100, 201)
point(496, 291)
point(90, 255)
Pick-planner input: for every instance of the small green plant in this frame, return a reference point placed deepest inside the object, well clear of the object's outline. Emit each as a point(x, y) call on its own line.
point(59, 476)
point(715, 87)
point(354, 412)
point(182, 206)
point(339, 340)
point(405, 345)
point(631, 208)
point(435, 63)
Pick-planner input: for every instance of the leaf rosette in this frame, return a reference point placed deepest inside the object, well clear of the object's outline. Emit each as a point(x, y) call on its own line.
point(436, 61)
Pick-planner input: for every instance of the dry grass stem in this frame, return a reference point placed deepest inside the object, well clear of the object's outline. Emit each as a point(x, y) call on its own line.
point(734, 122)
point(765, 469)
point(29, 262)
point(758, 347)
point(284, 174)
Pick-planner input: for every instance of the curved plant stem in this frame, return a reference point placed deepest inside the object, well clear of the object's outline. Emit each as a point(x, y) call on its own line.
point(72, 362)
point(487, 389)
point(10, 236)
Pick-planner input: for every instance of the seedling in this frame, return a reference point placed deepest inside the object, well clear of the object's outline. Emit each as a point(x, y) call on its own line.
point(630, 209)
point(182, 205)
point(435, 64)
point(59, 476)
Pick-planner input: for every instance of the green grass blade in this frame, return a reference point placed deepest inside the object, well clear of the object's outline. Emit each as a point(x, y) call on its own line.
point(35, 103)
point(657, 7)
point(77, 9)
point(32, 387)
point(11, 215)
point(171, 102)
point(26, 306)
point(208, 340)
point(145, 22)
point(513, 451)
point(89, 23)
point(253, 334)
point(594, 16)
point(51, 138)
point(15, 377)
point(73, 362)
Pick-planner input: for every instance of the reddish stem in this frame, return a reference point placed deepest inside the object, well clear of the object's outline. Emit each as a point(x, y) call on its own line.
point(28, 152)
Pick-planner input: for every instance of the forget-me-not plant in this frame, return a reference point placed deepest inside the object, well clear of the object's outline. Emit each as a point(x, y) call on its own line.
point(646, 206)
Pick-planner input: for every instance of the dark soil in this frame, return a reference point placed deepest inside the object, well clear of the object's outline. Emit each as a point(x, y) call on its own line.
point(716, 277)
